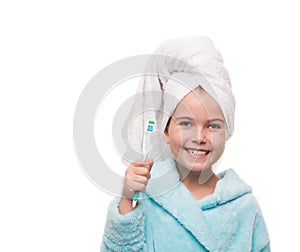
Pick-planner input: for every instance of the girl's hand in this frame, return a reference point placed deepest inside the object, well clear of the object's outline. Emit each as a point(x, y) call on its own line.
point(136, 179)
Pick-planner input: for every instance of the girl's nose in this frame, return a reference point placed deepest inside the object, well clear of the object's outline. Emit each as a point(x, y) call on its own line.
point(199, 136)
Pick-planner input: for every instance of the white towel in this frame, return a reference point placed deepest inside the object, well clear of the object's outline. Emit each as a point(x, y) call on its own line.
point(178, 66)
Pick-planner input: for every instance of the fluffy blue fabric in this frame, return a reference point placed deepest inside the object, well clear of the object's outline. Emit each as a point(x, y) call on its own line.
point(227, 220)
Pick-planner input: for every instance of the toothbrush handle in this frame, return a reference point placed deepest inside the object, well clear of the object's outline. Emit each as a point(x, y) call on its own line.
point(135, 199)
point(136, 194)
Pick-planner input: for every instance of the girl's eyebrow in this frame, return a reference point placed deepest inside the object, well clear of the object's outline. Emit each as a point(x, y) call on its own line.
point(184, 117)
point(191, 118)
point(216, 119)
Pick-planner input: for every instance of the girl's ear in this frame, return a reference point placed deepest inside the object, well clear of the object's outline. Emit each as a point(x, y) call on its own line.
point(166, 131)
point(166, 135)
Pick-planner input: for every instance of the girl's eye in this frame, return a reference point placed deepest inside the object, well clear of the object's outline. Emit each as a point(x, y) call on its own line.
point(214, 126)
point(185, 124)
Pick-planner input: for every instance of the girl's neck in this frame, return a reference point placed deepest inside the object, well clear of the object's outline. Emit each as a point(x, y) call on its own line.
point(199, 183)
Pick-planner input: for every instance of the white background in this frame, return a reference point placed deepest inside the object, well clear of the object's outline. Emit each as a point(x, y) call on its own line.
point(51, 49)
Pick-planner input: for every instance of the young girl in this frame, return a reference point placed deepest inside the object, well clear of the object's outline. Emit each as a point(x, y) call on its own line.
point(183, 204)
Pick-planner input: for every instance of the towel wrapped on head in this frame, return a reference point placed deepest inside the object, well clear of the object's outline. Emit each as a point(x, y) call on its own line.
point(177, 67)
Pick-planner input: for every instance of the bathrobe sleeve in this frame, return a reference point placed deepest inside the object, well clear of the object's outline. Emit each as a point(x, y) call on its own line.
point(260, 238)
point(124, 232)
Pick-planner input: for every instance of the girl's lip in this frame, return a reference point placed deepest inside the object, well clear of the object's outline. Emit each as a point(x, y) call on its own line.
point(197, 156)
point(195, 149)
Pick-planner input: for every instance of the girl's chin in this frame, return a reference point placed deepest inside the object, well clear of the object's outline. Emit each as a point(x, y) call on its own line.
point(192, 166)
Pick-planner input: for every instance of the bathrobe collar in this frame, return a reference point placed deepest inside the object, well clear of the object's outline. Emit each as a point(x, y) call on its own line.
point(166, 190)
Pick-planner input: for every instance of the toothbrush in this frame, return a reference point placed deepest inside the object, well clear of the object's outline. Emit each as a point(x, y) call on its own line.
point(150, 127)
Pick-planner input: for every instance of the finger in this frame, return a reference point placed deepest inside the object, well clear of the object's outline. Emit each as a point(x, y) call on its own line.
point(135, 186)
point(142, 171)
point(132, 171)
point(139, 179)
point(138, 170)
point(148, 163)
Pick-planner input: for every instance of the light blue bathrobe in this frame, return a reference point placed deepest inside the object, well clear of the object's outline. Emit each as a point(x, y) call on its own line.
point(227, 220)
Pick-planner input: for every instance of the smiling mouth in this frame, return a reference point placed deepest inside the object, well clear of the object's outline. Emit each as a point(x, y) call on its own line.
point(197, 152)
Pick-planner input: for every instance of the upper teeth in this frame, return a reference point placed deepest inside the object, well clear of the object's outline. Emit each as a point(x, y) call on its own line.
point(195, 152)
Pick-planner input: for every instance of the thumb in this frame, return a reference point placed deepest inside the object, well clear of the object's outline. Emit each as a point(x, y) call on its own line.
point(150, 161)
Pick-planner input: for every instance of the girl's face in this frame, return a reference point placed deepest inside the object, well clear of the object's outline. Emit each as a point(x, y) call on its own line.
point(197, 131)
